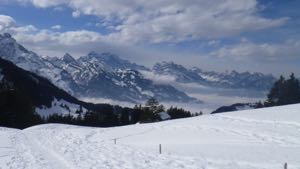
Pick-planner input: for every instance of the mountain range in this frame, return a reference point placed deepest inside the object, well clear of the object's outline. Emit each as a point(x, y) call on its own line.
point(94, 75)
point(106, 75)
point(233, 79)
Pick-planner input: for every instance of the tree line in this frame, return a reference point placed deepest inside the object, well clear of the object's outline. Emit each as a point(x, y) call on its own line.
point(118, 116)
point(283, 92)
point(18, 111)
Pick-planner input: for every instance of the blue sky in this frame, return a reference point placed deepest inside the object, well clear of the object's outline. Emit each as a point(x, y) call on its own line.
point(45, 18)
point(246, 35)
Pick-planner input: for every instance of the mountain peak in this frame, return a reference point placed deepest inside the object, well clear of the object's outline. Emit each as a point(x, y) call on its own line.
point(93, 53)
point(68, 58)
point(196, 69)
point(112, 61)
point(168, 65)
point(5, 36)
point(9, 46)
point(104, 55)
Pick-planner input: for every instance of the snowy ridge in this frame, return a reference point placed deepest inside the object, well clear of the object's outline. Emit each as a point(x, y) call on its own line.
point(251, 139)
point(233, 79)
point(16, 53)
point(108, 76)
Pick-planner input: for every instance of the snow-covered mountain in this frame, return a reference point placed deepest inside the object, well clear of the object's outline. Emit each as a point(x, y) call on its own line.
point(233, 79)
point(94, 64)
point(28, 60)
point(105, 75)
point(19, 87)
point(101, 75)
point(84, 69)
point(108, 76)
point(43, 96)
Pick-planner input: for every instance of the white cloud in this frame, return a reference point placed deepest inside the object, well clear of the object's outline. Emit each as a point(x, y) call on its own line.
point(57, 27)
point(6, 22)
point(51, 42)
point(8, 25)
point(66, 38)
point(260, 51)
point(58, 9)
point(75, 14)
point(159, 79)
point(45, 3)
point(214, 43)
point(170, 21)
point(57, 43)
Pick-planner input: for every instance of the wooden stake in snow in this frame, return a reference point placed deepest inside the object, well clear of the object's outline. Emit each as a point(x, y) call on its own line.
point(285, 166)
point(159, 148)
point(115, 141)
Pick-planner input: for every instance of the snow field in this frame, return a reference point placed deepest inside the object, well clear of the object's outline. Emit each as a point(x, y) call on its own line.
point(251, 139)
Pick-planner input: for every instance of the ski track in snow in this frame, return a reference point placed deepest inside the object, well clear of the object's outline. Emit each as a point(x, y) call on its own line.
point(82, 152)
point(251, 139)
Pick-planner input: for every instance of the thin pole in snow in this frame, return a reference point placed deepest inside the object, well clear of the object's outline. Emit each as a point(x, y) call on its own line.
point(115, 141)
point(159, 148)
point(285, 166)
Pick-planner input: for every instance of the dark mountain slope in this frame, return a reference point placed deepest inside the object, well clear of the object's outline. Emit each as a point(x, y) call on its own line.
point(41, 92)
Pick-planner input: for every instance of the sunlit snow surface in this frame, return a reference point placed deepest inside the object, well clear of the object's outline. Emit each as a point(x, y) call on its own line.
point(251, 139)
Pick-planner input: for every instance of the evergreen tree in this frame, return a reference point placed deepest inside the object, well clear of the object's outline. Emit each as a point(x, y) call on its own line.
point(259, 105)
point(276, 93)
point(177, 113)
point(152, 109)
point(292, 88)
point(153, 104)
point(124, 119)
point(16, 110)
point(146, 115)
point(284, 92)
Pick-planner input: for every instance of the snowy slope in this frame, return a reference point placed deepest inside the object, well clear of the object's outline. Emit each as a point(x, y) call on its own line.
point(251, 139)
